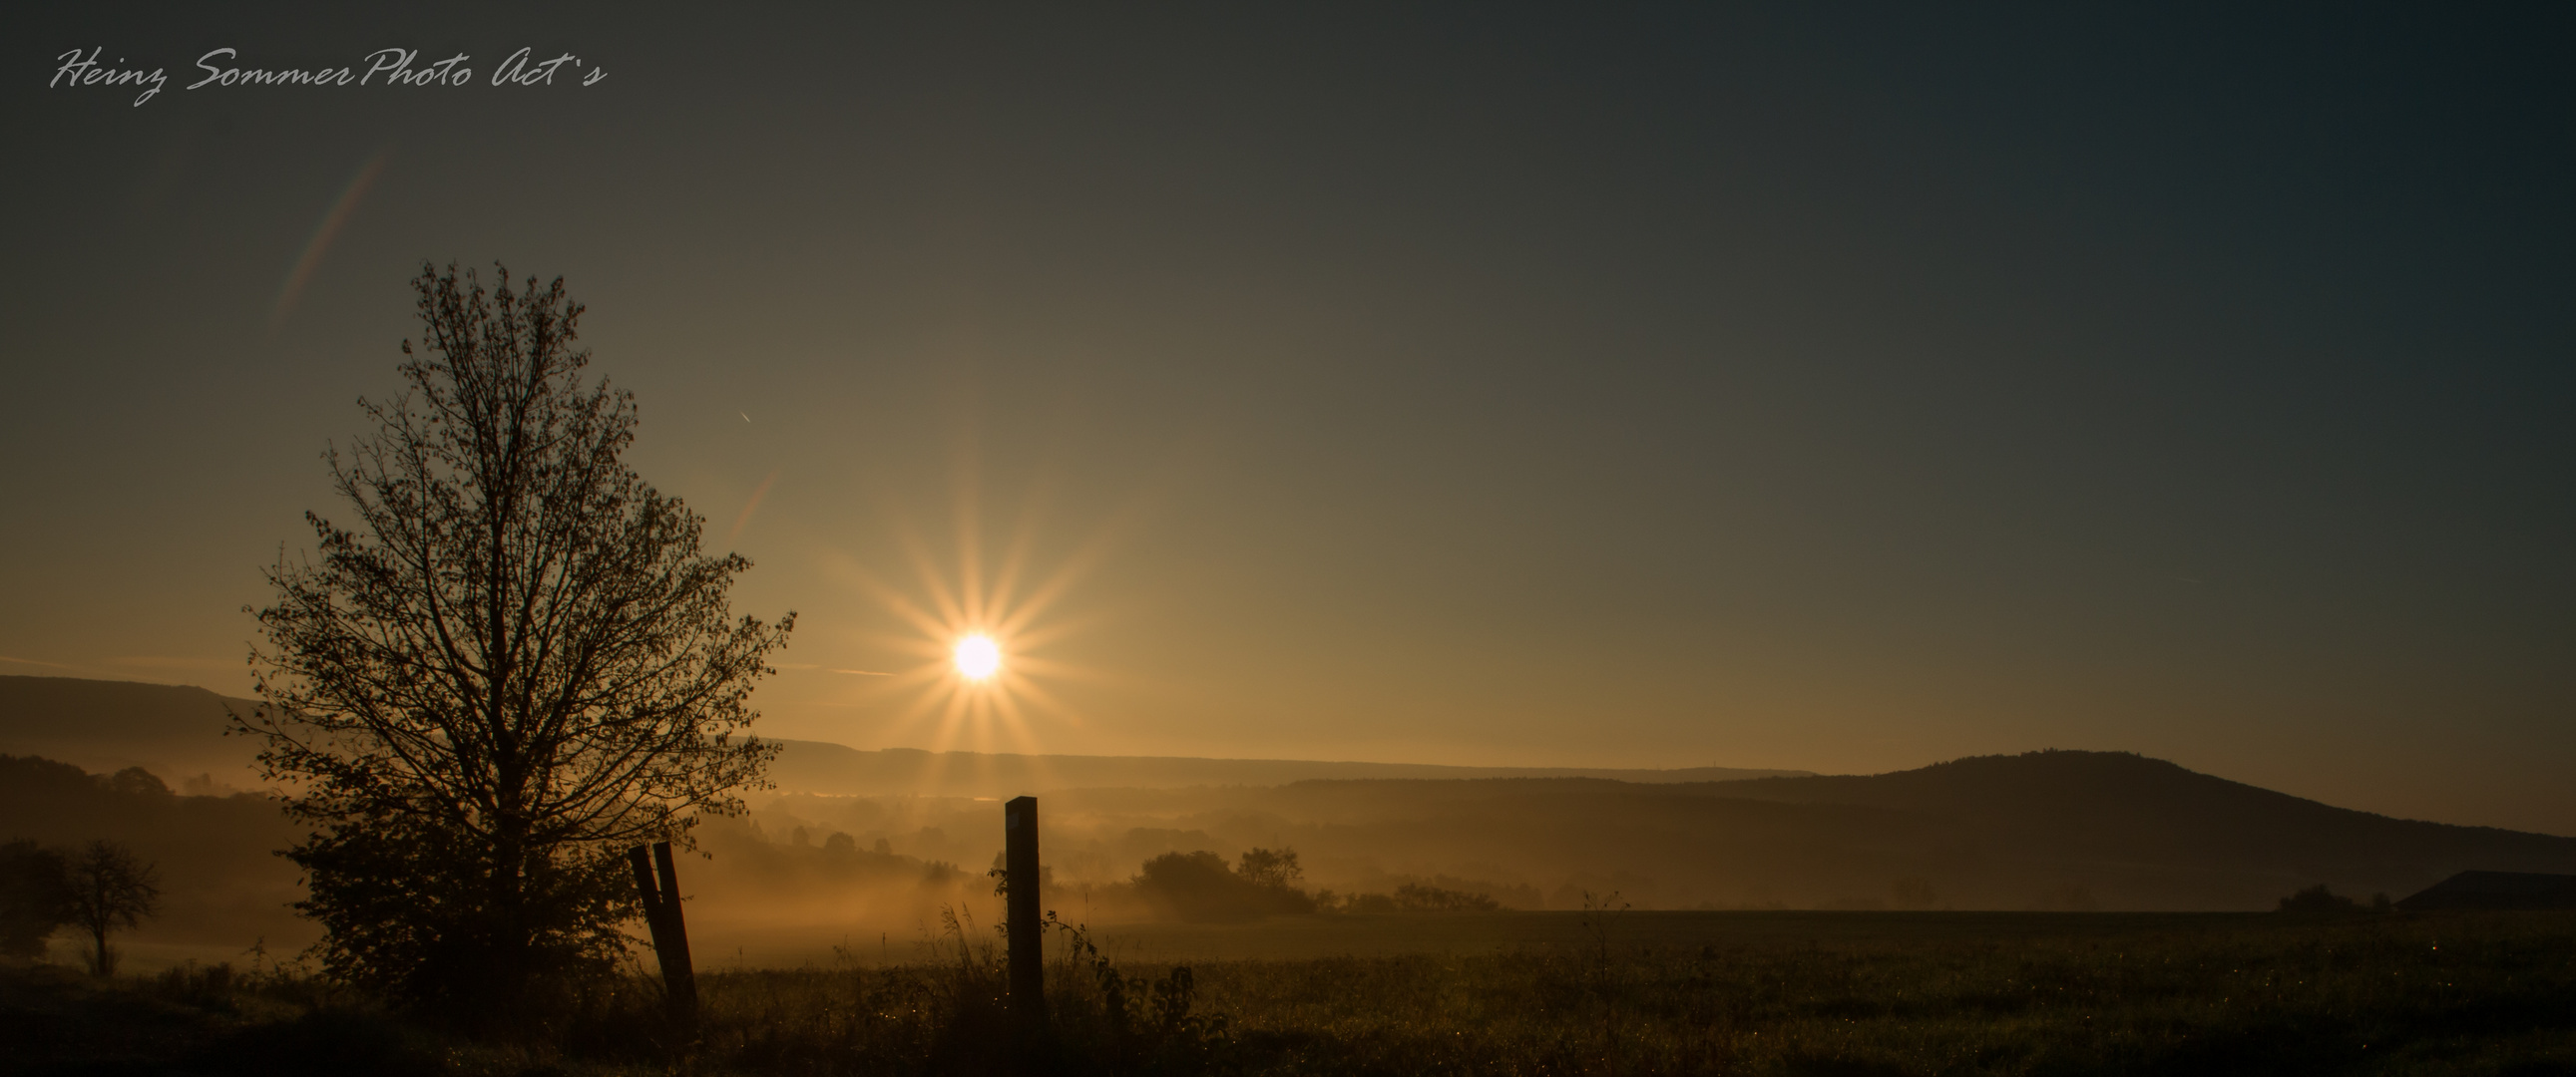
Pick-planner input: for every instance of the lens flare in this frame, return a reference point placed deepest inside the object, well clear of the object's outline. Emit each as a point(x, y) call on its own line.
point(977, 657)
point(982, 621)
point(332, 222)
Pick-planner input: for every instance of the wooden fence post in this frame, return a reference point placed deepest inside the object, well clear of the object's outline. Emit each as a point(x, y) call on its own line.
point(670, 931)
point(1021, 915)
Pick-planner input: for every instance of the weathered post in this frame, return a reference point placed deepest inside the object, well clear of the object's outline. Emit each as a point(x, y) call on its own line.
point(651, 893)
point(1021, 915)
point(685, 995)
point(670, 932)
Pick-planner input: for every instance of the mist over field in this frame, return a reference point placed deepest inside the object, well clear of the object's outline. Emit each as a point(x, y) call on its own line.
point(805, 872)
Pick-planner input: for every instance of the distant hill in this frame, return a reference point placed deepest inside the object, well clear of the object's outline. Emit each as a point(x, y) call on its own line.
point(2046, 829)
point(2149, 811)
point(2518, 890)
point(818, 767)
point(174, 731)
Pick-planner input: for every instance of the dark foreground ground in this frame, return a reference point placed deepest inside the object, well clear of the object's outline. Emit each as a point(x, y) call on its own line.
point(735, 945)
point(1751, 993)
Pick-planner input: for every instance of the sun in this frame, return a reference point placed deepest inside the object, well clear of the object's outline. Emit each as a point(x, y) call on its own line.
point(980, 627)
point(977, 657)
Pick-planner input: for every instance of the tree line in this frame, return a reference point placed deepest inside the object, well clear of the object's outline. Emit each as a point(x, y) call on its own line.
point(1202, 886)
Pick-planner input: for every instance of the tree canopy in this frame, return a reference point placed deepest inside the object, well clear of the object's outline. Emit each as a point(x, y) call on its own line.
point(513, 661)
point(109, 887)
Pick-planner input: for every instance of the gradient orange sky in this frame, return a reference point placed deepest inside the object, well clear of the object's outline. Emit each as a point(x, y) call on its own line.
point(1844, 390)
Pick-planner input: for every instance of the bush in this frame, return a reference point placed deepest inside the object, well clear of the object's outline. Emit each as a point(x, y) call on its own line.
point(1200, 887)
point(206, 987)
point(2318, 899)
point(1413, 897)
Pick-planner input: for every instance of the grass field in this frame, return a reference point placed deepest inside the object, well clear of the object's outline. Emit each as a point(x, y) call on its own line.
point(1559, 993)
point(1462, 935)
point(746, 946)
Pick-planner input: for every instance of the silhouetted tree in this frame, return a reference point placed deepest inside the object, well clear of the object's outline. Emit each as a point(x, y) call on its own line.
point(1415, 897)
point(1273, 868)
point(35, 896)
point(513, 664)
point(110, 888)
point(2318, 899)
point(1199, 886)
point(137, 782)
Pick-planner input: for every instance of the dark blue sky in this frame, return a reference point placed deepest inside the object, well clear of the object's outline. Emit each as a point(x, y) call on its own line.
point(1841, 388)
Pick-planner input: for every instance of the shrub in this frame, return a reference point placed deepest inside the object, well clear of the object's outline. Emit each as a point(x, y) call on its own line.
point(2318, 899)
point(1413, 897)
point(1198, 886)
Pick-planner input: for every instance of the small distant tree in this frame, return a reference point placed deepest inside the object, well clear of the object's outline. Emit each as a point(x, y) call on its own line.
point(110, 888)
point(1371, 904)
point(1415, 897)
point(137, 782)
point(1273, 868)
point(2318, 899)
point(1194, 886)
point(35, 896)
point(512, 665)
point(1199, 886)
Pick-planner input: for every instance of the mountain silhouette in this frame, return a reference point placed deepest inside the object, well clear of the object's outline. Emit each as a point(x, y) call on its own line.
point(2064, 829)
point(2128, 808)
point(175, 731)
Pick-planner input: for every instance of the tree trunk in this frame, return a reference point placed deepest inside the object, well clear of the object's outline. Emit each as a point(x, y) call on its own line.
point(508, 958)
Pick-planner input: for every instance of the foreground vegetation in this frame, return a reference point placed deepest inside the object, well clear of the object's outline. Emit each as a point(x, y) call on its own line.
point(2364, 994)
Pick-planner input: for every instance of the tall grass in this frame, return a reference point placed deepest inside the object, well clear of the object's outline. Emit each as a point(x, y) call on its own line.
point(949, 1013)
point(2367, 994)
point(2361, 994)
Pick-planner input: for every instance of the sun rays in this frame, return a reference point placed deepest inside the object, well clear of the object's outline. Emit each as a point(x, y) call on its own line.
point(976, 628)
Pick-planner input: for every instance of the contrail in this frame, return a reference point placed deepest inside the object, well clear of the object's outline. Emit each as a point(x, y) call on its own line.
point(293, 289)
point(744, 520)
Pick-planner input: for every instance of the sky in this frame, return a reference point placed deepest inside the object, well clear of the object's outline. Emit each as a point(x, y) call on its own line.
point(1835, 387)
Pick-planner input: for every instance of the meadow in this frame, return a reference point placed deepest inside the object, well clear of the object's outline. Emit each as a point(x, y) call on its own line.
point(1610, 992)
